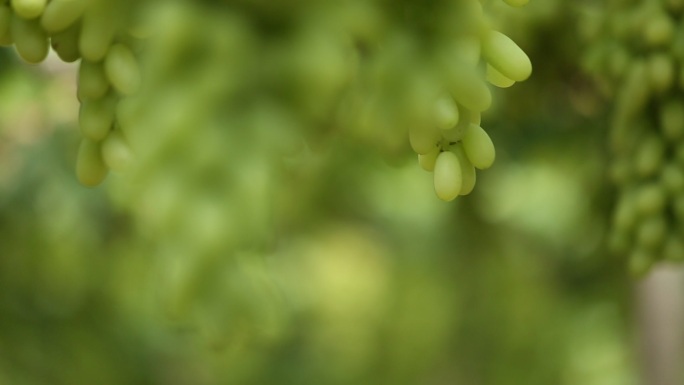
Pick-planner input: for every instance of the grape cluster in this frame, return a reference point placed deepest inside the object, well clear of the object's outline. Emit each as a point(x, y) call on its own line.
point(455, 144)
point(641, 56)
point(101, 35)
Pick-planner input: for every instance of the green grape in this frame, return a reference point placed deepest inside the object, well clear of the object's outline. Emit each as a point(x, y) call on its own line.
point(446, 113)
point(28, 9)
point(506, 57)
point(651, 199)
point(61, 14)
point(468, 173)
point(661, 72)
point(30, 40)
point(423, 139)
point(673, 178)
point(469, 89)
point(479, 147)
point(116, 153)
point(466, 50)
point(659, 30)
point(672, 118)
point(65, 43)
point(447, 176)
point(90, 168)
point(122, 69)
point(427, 161)
point(649, 156)
point(634, 94)
point(99, 25)
point(625, 214)
point(456, 133)
point(497, 78)
point(96, 117)
point(92, 81)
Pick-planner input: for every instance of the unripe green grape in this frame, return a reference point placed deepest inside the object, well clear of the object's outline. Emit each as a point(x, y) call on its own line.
point(650, 199)
point(447, 176)
point(427, 161)
point(456, 133)
point(661, 72)
point(30, 40)
point(672, 118)
point(516, 3)
point(116, 152)
point(423, 139)
point(651, 232)
point(625, 213)
point(479, 147)
point(659, 30)
point(673, 178)
point(96, 117)
point(5, 21)
point(467, 50)
point(122, 69)
point(476, 118)
point(98, 27)
point(468, 173)
point(28, 9)
point(634, 94)
point(497, 78)
point(90, 168)
point(468, 88)
point(506, 57)
point(92, 81)
point(446, 113)
point(61, 14)
point(649, 156)
point(65, 43)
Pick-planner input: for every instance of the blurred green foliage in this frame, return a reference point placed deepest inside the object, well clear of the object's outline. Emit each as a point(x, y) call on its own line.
point(369, 279)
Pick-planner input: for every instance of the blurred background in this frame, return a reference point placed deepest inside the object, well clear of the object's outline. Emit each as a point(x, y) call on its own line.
point(363, 276)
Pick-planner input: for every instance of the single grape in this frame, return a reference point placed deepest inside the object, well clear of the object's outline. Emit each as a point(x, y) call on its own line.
point(506, 57)
point(447, 176)
point(427, 161)
point(468, 173)
point(122, 69)
point(28, 9)
point(61, 14)
point(90, 168)
point(92, 81)
point(65, 43)
point(116, 152)
point(479, 147)
point(30, 40)
point(96, 117)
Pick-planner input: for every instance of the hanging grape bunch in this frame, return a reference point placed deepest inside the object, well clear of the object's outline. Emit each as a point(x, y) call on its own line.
point(444, 129)
point(641, 54)
point(454, 144)
point(96, 32)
